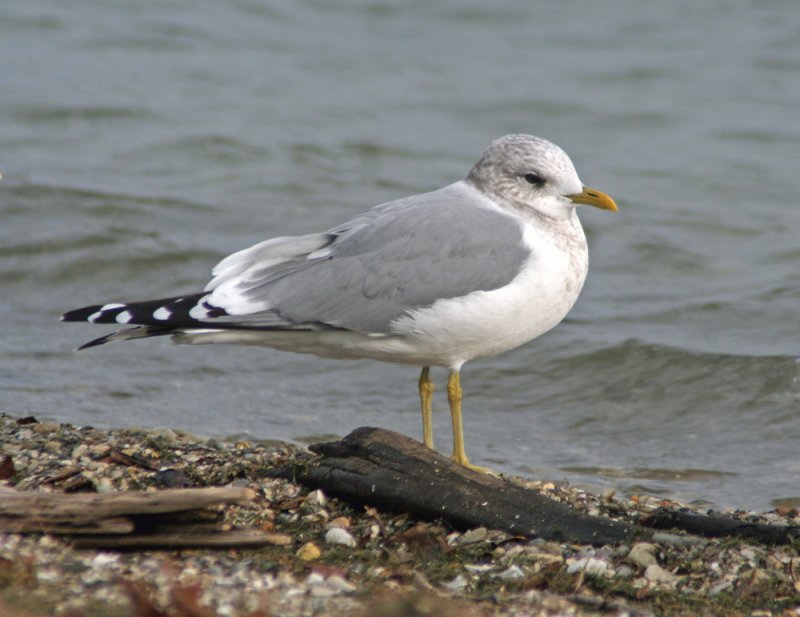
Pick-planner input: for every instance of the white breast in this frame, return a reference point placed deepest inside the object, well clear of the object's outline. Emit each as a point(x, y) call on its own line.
point(484, 323)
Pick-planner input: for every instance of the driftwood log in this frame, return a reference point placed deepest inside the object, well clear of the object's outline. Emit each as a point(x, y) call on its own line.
point(175, 518)
point(719, 526)
point(388, 470)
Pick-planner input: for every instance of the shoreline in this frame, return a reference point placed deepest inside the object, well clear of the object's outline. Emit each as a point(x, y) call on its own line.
point(332, 558)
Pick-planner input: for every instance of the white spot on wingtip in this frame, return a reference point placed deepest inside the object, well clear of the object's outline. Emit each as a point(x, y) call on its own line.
point(198, 311)
point(162, 313)
point(124, 317)
point(111, 306)
point(94, 316)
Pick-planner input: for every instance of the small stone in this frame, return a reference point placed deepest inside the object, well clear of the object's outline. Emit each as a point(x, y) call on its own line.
point(308, 552)
point(99, 450)
point(340, 521)
point(478, 568)
point(624, 572)
point(339, 584)
point(773, 563)
point(172, 478)
point(656, 574)
point(103, 560)
point(474, 535)
point(316, 499)
point(760, 576)
point(320, 591)
point(79, 451)
point(337, 535)
point(53, 446)
point(459, 583)
point(718, 588)
point(512, 573)
point(643, 554)
point(452, 538)
point(45, 427)
point(590, 565)
point(168, 435)
point(748, 554)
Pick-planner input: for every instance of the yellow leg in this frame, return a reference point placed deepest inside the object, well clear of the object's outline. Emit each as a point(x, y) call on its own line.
point(426, 401)
point(454, 396)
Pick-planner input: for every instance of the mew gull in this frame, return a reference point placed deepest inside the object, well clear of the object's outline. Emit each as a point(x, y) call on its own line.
point(473, 269)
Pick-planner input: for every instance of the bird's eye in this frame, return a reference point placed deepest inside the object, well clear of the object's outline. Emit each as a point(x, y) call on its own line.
point(534, 179)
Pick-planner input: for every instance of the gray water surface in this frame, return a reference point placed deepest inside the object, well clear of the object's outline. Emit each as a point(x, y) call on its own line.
point(142, 142)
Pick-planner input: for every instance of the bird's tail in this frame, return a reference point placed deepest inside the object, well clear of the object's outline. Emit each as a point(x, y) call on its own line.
point(151, 318)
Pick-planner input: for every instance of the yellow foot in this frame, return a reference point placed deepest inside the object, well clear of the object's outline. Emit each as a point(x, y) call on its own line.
point(464, 462)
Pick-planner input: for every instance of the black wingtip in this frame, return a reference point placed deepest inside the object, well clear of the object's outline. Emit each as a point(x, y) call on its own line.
point(81, 314)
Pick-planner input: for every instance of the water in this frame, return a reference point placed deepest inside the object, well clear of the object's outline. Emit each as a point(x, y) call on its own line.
point(141, 143)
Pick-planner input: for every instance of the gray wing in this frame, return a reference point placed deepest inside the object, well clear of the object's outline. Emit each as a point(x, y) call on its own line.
point(364, 274)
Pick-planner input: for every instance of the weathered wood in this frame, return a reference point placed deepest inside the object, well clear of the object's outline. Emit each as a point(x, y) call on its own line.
point(88, 508)
point(163, 518)
point(717, 526)
point(237, 538)
point(389, 470)
point(116, 525)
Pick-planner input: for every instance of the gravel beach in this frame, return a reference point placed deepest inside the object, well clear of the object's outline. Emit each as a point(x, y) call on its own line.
point(326, 557)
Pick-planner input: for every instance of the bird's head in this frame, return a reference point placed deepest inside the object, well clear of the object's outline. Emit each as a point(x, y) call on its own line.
point(531, 173)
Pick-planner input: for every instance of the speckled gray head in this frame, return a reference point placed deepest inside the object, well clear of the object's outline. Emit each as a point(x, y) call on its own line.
point(520, 169)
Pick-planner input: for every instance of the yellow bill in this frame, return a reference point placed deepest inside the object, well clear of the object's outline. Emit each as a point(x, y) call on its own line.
point(593, 197)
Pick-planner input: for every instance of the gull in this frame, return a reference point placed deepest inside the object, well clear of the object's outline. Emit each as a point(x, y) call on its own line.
point(467, 271)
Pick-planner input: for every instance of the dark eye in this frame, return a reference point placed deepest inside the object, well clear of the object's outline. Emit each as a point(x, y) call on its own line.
point(534, 179)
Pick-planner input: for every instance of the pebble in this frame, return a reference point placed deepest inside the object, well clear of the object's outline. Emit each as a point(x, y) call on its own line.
point(624, 572)
point(512, 573)
point(308, 552)
point(643, 554)
point(99, 450)
point(590, 565)
point(459, 583)
point(79, 451)
point(748, 554)
point(478, 568)
point(316, 499)
point(340, 521)
point(45, 427)
point(718, 588)
point(656, 574)
point(474, 535)
point(168, 435)
point(337, 535)
point(340, 584)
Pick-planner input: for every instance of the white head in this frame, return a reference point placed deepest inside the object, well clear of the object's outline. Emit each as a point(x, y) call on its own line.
point(531, 173)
